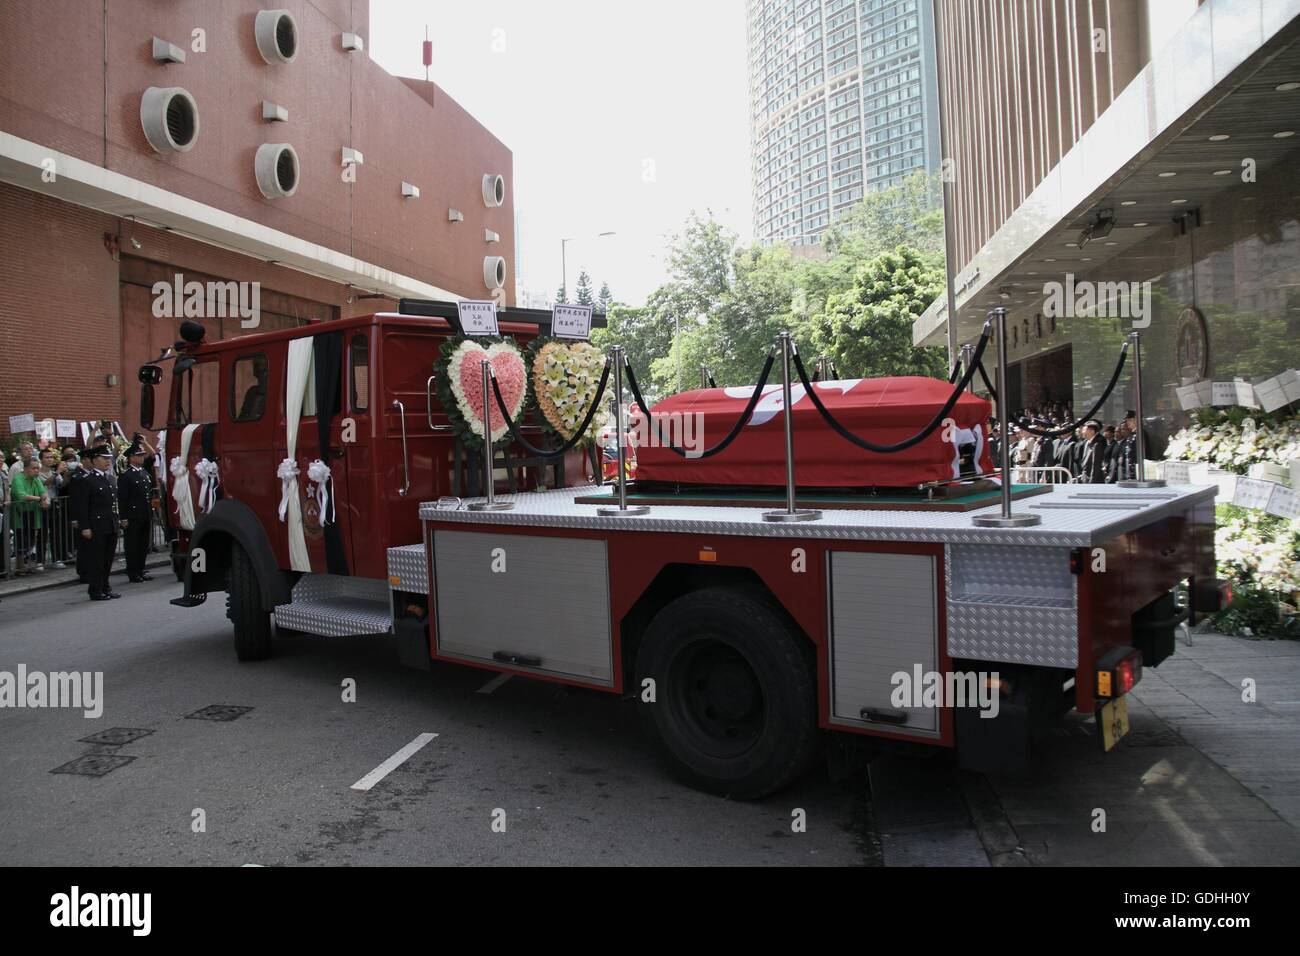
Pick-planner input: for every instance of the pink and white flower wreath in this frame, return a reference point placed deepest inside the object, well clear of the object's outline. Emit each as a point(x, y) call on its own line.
point(465, 379)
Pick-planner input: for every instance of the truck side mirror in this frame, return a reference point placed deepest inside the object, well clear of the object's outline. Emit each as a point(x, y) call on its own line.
point(150, 375)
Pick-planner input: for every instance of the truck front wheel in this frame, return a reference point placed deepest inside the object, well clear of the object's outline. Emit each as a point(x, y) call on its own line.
point(735, 703)
point(244, 608)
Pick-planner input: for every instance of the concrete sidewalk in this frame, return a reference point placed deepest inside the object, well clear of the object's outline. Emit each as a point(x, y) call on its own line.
point(1203, 778)
point(53, 577)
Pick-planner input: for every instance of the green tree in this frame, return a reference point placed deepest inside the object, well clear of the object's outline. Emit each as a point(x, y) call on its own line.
point(605, 299)
point(584, 294)
point(561, 294)
point(867, 329)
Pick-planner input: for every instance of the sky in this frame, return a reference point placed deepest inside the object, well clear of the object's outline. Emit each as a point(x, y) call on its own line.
point(622, 117)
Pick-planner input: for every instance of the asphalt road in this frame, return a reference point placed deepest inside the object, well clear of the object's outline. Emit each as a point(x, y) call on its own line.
point(1203, 779)
point(570, 768)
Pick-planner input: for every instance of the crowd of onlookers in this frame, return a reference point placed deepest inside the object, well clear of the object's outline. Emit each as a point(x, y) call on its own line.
point(35, 484)
point(1091, 454)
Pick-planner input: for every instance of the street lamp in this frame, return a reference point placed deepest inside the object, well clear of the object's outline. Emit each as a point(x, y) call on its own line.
point(564, 266)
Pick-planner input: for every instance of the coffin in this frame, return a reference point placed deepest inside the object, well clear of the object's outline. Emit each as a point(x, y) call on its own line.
point(880, 410)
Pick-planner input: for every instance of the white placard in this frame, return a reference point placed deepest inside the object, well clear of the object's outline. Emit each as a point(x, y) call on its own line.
point(1188, 397)
point(65, 428)
point(1245, 394)
point(1282, 389)
point(478, 317)
point(1252, 493)
point(1176, 472)
point(1270, 471)
point(1283, 502)
point(22, 423)
point(1223, 394)
point(45, 429)
point(571, 321)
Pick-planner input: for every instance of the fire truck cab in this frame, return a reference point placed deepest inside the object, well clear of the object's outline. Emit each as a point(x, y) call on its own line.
point(749, 645)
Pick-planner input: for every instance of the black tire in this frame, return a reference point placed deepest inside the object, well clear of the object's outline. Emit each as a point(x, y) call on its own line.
point(244, 608)
point(736, 702)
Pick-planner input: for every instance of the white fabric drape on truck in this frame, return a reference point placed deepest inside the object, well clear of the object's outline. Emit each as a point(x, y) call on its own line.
point(180, 470)
point(300, 355)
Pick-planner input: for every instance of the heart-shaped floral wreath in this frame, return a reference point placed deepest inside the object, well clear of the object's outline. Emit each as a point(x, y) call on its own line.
point(564, 380)
point(459, 374)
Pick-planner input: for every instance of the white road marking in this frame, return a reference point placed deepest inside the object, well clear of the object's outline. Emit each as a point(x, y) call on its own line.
point(494, 683)
point(392, 763)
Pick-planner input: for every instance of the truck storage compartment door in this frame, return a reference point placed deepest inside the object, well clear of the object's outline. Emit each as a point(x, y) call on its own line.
point(524, 601)
point(884, 621)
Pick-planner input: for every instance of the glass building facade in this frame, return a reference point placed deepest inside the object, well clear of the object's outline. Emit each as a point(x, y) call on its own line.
point(842, 103)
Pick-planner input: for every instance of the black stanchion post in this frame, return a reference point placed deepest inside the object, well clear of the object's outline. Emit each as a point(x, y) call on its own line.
point(623, 509)
point(1006, 519)
point(704, 376)
point(791, 512)
point(967, 358)
point(1142, 481)
point(489, 502)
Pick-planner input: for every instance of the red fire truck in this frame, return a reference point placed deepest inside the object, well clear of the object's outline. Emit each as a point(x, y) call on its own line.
point(754, 647)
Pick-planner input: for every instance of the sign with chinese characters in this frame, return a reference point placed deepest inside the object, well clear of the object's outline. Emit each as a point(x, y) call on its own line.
point(571, 321)
point(1278, 391)
point(1176, 472)
point(19, 424)
point(478, 317)
point(1283, 502)
point(65, 427)
point(1252, 493)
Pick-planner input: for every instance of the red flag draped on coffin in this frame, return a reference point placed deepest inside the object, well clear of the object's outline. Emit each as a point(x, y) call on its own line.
point(880, 410)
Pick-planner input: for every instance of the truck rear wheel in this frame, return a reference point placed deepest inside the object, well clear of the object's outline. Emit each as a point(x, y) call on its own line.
point(735, 709)
point(244, 608)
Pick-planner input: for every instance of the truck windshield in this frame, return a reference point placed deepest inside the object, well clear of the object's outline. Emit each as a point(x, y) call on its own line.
point(196, 394)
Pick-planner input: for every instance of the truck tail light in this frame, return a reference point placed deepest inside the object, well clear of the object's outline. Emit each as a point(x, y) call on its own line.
point(1212, 595)
point(1118, 672)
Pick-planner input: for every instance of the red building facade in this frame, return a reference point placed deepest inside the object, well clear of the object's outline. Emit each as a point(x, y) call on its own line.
point(93, 212)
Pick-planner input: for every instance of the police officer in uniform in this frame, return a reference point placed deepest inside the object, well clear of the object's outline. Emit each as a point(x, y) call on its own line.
point(95, 512)
point(77, 490)
point(134, 490)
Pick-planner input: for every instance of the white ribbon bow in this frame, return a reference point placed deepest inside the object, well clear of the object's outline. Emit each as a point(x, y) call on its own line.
point(178, 467)
point(318, 473)
point(288, 475)
point(210, 478)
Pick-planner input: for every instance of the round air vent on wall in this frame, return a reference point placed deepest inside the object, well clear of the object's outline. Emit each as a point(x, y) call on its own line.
point(276, 166)
point(494, 190)
point(277, 36)
point(494, 272)
point(170, 119)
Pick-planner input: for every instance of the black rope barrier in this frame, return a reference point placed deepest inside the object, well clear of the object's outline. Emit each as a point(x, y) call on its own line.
point(712, 383)
point(731, 435)
point(577, 435)
point(907, 442)
point(1092, 412)
point(993, 394)
point(952, 376)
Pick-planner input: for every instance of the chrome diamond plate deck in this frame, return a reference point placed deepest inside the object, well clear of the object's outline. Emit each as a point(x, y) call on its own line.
point(336, 606)
point(409, 565)
point(1072, 527)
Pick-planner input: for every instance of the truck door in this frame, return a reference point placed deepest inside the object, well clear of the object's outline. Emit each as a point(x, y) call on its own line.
point(417, 440)
point(326, 518)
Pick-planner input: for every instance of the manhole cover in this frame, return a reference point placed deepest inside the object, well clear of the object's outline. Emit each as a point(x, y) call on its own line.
point(94, 765)
point(116, 736)
point(219, 712)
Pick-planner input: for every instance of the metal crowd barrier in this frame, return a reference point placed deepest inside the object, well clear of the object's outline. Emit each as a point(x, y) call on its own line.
point(55, 540)
point(1042, 475)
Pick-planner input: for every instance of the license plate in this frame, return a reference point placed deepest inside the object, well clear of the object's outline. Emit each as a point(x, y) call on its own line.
point(1112, 721)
